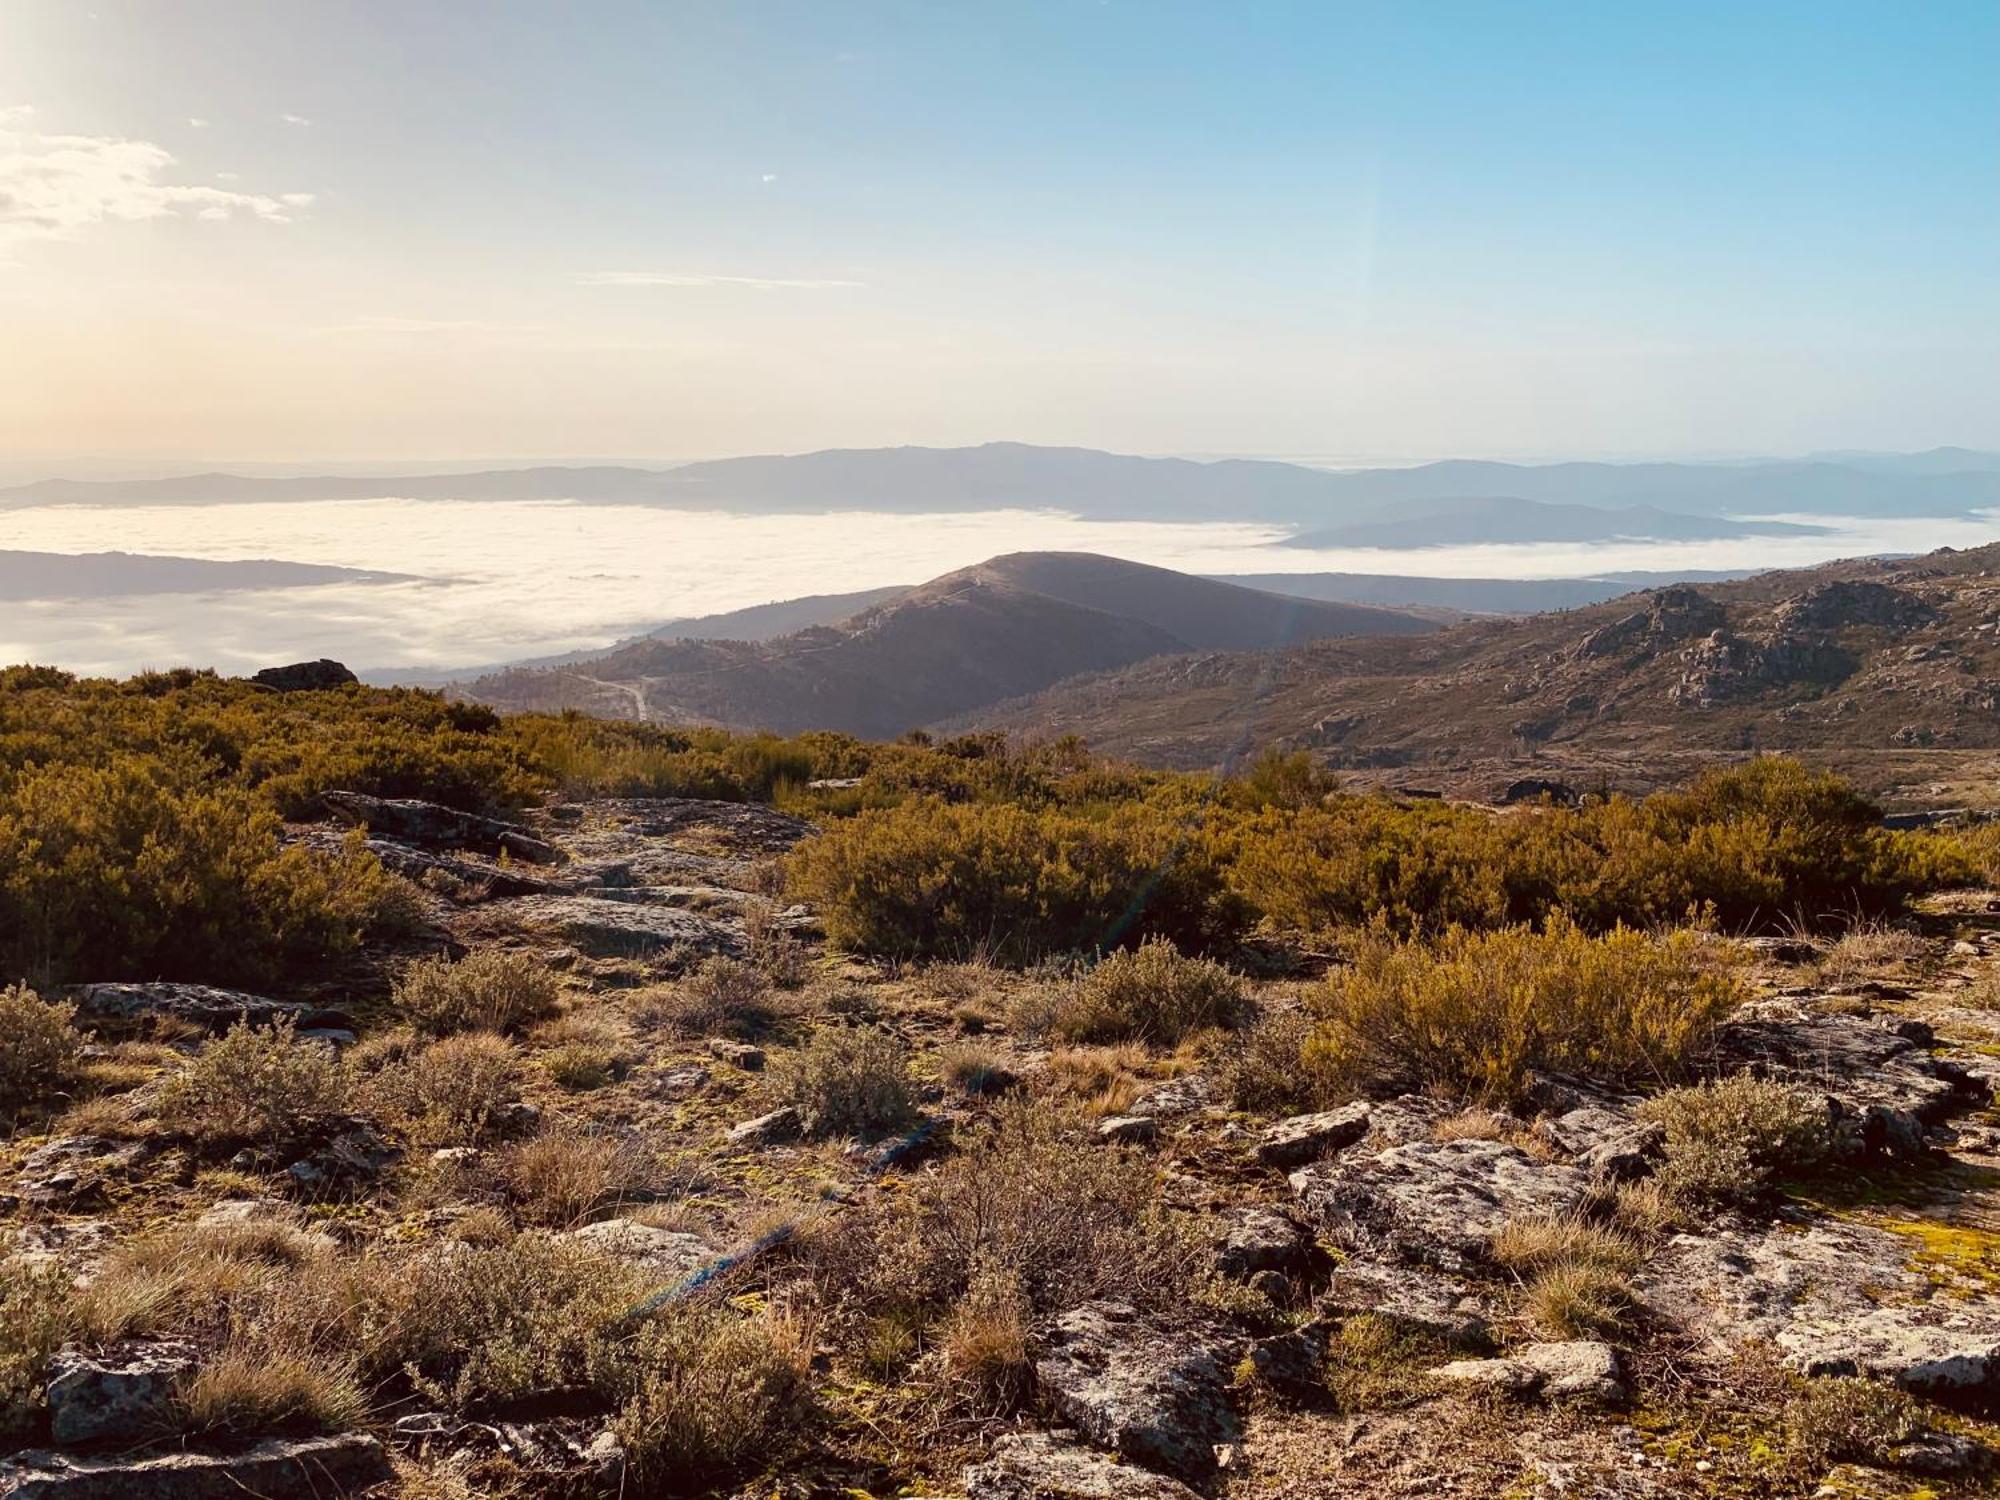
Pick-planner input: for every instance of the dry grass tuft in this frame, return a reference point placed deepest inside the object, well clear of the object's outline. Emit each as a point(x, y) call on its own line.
point(249, 1388)
point(564, 1178)
point(451, 1092)
point(720, 996)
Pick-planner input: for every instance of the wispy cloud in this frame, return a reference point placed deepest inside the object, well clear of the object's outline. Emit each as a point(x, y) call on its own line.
point(699, 278)
point(55, 187)
point(292, 119)
point(196, 122)
point(390, 324)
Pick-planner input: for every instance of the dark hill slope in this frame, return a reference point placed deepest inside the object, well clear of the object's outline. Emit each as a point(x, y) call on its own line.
point(965, 640)
point(1854, 656)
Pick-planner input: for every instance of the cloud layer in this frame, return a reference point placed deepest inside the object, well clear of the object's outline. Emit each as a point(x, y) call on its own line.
point(55, 187)
point(692, 278)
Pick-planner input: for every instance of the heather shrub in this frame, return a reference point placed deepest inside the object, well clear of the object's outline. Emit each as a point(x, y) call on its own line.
point(845, 1080)
point(489, 990)
point(1267, 1068)
point(451, 1092)
point(1847, 1419)
point(710, 1391)
point(256, 1085)
point(35, 1321)
point(720, 996)
point(1153, 993)
point(934, 879)
point(40, 1050)
point(1473, 1012)
point(1729, 1139)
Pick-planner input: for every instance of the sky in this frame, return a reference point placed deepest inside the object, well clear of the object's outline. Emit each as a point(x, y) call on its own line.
point(288, 232)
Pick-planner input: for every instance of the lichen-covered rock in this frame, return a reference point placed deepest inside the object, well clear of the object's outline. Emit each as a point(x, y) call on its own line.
point(74, 1170)
point(1159, 1396)
point(608, 928)
point(1837, 1298)
point(1607, 1143)
point(124, 1394)
point(1577, 1369)
point(275, 1469)
point(667, 1253)
point(1128, 1130)
point(1304, 1138)
point(306, 676)
point(1039, 1466)
point(351, 1159)
point(1262, 1239)
point(212, 1010)
point(1434, 1202)
point(430, 825)
point(766, 1130)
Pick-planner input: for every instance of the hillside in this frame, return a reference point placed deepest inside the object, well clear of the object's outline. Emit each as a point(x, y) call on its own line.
point(1854, 658)
point(1007, 627)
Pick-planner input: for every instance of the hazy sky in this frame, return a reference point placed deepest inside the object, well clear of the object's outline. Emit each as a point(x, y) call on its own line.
point(278, 230)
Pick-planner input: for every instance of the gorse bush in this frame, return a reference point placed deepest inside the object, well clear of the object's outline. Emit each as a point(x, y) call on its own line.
point(489, 990)
point(40, 1049)
point(1473, 1012)
point(1730, 1138)
point(942, 880)
point(1153, 993)
point(118, 873)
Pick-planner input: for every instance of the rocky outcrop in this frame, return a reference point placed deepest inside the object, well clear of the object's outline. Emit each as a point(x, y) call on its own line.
point(1848, 603)
point(1039, 1466)
point(666, 1253)
point(1304, 1138)
point(606, 928)
point(73, 1171)
point(1434, 1203)
point(278, 1468)
point(429, 825)
point(1158, 1396)
point(1673, 614)
point(1263, 1239)
point(199, 1005)
point(305, 676)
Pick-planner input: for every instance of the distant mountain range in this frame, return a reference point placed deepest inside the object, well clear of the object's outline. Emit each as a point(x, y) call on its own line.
point(1108, 486)
point(1508, 519)
point(108, 575)
point(1010, 626)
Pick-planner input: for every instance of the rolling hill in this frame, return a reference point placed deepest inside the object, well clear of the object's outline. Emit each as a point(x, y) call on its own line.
point(1876, 658)
point(1007, 627)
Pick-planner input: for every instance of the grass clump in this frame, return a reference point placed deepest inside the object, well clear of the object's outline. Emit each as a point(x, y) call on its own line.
point(41, 1051)
point(250, 1388)
point(1729, 1139)
point(490, 990)
point(846, 1080)
point(1575, 1274)
point(1474, 1012)
point(975, 1068)
point(563, 1178)
point(1867, 948)
point(257, 1086)
point(1153, 994)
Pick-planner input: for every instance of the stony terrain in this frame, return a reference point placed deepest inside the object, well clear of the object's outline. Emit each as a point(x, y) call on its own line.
point(1359, 1336)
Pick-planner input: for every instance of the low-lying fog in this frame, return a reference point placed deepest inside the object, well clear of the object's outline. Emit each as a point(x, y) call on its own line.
point(504, 580)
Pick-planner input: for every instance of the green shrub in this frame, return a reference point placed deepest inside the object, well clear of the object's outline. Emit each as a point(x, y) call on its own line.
point(1729, 1139)
point(1473, 1012)
point(488, 990)
point(119, 873)
point(1267, 1068)
point(845, 1080)
point(40, 1050)
point(256, 1085)
point(1152, 993)
point(720, 996)
point(933, 879)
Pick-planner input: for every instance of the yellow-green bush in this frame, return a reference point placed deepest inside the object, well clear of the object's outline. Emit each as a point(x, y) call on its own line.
point(117, 873)
point(950, 880)
point(1152, 993)
point(40, 1050)
point(1473, 1012)
point(1728, 1139)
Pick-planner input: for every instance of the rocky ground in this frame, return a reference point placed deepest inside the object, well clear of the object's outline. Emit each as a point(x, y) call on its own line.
point(1361, 1338)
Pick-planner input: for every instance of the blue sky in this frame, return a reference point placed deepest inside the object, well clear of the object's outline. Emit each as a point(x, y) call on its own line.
point(1370, 232)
